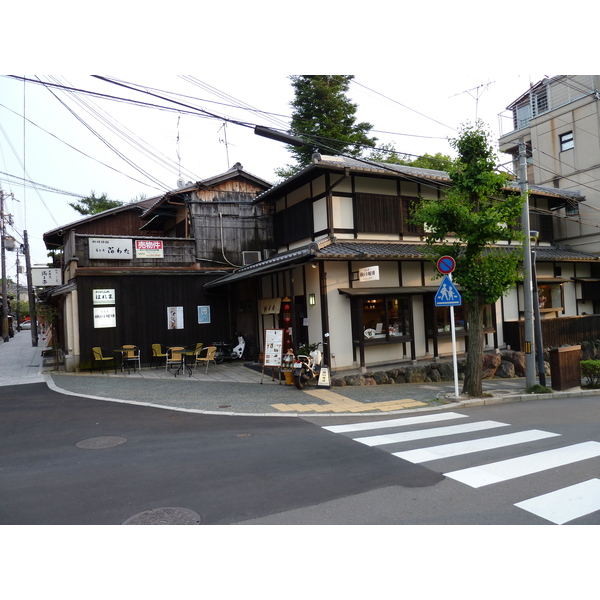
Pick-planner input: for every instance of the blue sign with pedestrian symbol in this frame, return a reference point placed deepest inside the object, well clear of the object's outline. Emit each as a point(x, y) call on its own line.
point(447, 294)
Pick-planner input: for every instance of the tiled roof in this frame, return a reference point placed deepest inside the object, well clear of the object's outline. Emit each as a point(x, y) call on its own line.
point(357, 250)
point(371, 167)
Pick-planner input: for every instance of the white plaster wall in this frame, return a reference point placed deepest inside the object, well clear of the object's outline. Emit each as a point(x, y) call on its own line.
point(320, 214)
point(340, 321)
point(343, 217)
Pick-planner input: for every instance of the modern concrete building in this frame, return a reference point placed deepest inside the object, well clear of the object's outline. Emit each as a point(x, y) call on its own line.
point(558, 120)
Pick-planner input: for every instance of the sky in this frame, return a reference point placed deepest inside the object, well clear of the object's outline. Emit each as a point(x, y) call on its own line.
point(70, 144)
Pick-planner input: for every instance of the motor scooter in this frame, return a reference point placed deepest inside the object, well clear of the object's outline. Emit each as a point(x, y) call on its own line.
point(227, 350)
point(306, 367)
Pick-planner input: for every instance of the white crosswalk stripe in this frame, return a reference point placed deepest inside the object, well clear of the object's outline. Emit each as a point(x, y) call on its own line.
point(525, 465)
point(559, 506)
point(407, 436)
point(567, 504)
point(421, 455)
point(407, 421)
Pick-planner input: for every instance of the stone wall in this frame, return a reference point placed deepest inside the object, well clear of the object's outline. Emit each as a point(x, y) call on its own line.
point(507, 364)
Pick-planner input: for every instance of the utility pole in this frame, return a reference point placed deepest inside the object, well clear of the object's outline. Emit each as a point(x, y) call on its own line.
point(32, 307)
point(530, 379)
point(5, 336)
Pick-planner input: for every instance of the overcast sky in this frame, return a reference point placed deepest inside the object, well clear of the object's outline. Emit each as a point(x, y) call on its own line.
point(76, 143)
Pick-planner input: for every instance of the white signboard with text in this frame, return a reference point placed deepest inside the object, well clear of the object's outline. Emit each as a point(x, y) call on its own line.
point(45, 277)
point(111, 248)
point(104, 296)
point(368, 274)
point(105, 316)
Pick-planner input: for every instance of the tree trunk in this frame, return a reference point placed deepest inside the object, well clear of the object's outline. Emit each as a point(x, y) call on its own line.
point(474, 368)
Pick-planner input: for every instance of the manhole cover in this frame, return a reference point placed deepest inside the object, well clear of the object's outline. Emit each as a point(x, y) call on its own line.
point(99, 443)
point(165, 516)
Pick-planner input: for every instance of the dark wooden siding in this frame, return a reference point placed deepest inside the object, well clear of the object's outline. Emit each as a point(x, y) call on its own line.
point(556, 332)
point(376, 213)
point(294, 223)
point(141, 307)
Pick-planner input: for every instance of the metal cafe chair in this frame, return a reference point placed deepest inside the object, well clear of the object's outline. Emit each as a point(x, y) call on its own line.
point(102, 355)
point(158, 353)
point(175, 357)
point(131, 355)
point(206, 355)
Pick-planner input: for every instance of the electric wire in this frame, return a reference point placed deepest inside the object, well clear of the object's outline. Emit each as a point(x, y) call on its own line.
point(137, 168)
point(131, 138)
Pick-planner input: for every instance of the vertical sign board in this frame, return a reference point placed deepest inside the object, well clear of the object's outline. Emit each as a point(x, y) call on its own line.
point(273, 352)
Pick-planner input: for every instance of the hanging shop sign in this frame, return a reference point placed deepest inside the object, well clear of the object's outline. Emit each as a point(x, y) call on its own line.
point(45, 277)
point(111, 248)
point(368, 273)
point(149, 249)
point(270, 306)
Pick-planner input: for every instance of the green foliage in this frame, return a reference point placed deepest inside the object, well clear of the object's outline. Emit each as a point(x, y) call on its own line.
point(93, 205)
point(474, 214)
point(590, 369)
point(323, 113)
point(538, 389)
point(386, 153)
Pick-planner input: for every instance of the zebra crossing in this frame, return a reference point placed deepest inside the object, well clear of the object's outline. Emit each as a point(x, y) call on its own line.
point(559, 506)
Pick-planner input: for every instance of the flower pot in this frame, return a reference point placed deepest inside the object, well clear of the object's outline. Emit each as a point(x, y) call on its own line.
point(289, 377)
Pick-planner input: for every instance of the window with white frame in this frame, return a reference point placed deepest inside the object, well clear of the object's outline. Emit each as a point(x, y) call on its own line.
point(566, 141)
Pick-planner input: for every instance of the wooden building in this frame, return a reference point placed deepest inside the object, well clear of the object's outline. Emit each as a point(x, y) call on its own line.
point(136, 274)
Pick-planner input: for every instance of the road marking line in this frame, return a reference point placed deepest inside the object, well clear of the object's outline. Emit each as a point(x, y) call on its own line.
point(393, 422)
point(525, 465)
point(421, 434)
point(566, 504)
point(421, 455)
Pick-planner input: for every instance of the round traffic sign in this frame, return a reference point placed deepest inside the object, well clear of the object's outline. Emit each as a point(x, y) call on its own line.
point(446, 264)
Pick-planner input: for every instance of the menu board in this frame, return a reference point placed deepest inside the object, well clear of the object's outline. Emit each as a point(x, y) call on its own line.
point(273, 353)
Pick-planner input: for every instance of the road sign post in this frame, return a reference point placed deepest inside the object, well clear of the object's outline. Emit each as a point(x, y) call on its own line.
point(448, 295)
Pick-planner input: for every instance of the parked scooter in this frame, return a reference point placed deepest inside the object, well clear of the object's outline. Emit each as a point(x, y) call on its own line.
point(227, 350)
point(306, 367)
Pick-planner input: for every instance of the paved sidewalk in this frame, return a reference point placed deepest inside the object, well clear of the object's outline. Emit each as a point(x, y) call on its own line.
point(234, 388)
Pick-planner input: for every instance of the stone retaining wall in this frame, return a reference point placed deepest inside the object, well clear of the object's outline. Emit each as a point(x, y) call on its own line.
point(507, 364)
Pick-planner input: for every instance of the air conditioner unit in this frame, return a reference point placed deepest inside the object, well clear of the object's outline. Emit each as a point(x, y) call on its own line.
point(268, 253)
point(250, 257)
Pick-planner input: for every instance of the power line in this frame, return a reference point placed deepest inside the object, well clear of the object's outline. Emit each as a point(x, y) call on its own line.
point(403, 105)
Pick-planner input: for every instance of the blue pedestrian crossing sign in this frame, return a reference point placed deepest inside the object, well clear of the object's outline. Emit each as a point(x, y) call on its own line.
point(447, 294)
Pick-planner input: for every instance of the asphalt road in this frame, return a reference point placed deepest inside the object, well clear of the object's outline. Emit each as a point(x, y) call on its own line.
point(72, 460)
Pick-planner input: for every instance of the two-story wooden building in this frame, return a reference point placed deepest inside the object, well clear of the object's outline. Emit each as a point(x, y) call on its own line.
point(348, 263)
point(136, 274)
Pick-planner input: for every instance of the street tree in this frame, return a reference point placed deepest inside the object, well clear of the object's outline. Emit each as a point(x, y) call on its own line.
point(93, 205)
point(324, 116)
point(387, 153)
point(475, 213)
